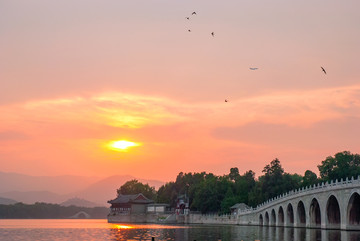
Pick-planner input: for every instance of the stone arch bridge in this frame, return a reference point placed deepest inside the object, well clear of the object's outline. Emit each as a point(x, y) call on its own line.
point(331, 205)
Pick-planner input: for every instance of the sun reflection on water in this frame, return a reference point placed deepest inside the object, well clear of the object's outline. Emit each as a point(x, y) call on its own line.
point(116, 226)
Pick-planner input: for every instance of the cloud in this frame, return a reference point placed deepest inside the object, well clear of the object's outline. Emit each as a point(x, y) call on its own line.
point(215, 134)
point(113, 111)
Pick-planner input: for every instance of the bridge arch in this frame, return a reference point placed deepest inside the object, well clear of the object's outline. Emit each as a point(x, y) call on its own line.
point(353, 210)
point(289, 215)
point(301, 215)
point(315, 213)
point(333, 215)
point(81, 215)
point(261, 220)
point(273, 218)
point(266, 219)
point(281, 216)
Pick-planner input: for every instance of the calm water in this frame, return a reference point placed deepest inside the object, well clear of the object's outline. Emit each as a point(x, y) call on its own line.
point(99, 229)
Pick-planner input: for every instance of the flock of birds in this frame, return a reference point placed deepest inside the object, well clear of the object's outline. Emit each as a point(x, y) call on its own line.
point(251, 68)
point(189, 30)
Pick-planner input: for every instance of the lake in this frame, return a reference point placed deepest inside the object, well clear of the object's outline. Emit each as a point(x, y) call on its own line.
point(99, 229)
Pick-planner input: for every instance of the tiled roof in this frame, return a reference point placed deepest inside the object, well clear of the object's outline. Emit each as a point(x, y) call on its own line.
point(240, 206)
point(135, 198)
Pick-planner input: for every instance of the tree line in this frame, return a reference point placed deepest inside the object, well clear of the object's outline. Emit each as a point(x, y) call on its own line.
point(216, 194)
point(48, 211)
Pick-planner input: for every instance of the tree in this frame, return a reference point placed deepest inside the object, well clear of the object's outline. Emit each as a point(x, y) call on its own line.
point(234, 174)
point(274, 169)
point(243, 186)
point(186, 183)
point(272, 181)
point(228, 201)
point(256, 195)
point(210, 193)
point(206, 197)
point(167, 194)
point(342, 165)
point(276, 181)
point(309, 179)
point(135, 187)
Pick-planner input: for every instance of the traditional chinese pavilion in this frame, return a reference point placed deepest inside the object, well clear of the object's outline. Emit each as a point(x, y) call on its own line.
point(129, 204)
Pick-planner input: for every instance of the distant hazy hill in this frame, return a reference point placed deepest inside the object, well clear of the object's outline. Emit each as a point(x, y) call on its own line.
point(60, 184)
point(36, 196)
point(79, 202)
point(105, 189)
point(31, 189)
point(7, 201)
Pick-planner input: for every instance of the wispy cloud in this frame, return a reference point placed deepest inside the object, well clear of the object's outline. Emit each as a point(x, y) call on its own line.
point(196, 134)
point(123, 110)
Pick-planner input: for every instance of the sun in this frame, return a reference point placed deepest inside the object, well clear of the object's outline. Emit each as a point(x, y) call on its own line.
point(122, 145)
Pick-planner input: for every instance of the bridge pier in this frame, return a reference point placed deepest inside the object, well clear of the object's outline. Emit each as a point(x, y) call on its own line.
point(323, 217)
point(343, 217)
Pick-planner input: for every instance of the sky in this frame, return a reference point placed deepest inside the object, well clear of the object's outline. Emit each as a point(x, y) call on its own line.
point(78, 75)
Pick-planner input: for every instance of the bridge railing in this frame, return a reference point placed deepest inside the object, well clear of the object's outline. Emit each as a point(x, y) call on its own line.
point(333, 184)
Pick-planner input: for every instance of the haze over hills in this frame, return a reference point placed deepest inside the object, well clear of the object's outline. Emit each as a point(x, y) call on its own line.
point(105, 189)
point(59, 184)
point(31, 189)
point(7, 201)
point(35, 196)
point(79, 202)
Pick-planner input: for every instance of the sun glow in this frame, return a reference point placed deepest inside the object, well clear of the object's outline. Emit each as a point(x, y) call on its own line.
point(122, 226)
point(122, 145)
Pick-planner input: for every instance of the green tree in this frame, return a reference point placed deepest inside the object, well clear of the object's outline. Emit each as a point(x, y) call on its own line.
point(276, 181)
point(135, 187)
point(342, 165)
point(310, 178)
point(272, 181)
point(167, 193)
point(234, 174)
point(256, 195)
point(291, 181)
point(211, 193)
point(228, 201)
point(206, 197)
point(243, 186)
point(186, 183)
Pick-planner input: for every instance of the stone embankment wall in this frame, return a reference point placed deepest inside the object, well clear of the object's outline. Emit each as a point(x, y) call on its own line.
point(143, 218)
point(210, 219)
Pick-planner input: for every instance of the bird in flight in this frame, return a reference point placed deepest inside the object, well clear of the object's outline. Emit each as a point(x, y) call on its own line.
point(323, 70)
point(189, 30)
point(187, 18)
point(213, 34)
point(253, 68)
point(226, 100)
point(193, 13)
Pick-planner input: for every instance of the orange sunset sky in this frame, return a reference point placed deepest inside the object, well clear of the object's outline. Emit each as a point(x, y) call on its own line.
point(76, 75)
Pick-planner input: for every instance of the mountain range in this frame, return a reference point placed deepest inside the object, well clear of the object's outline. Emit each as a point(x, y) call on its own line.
point(7, 201)
point(93, 191)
